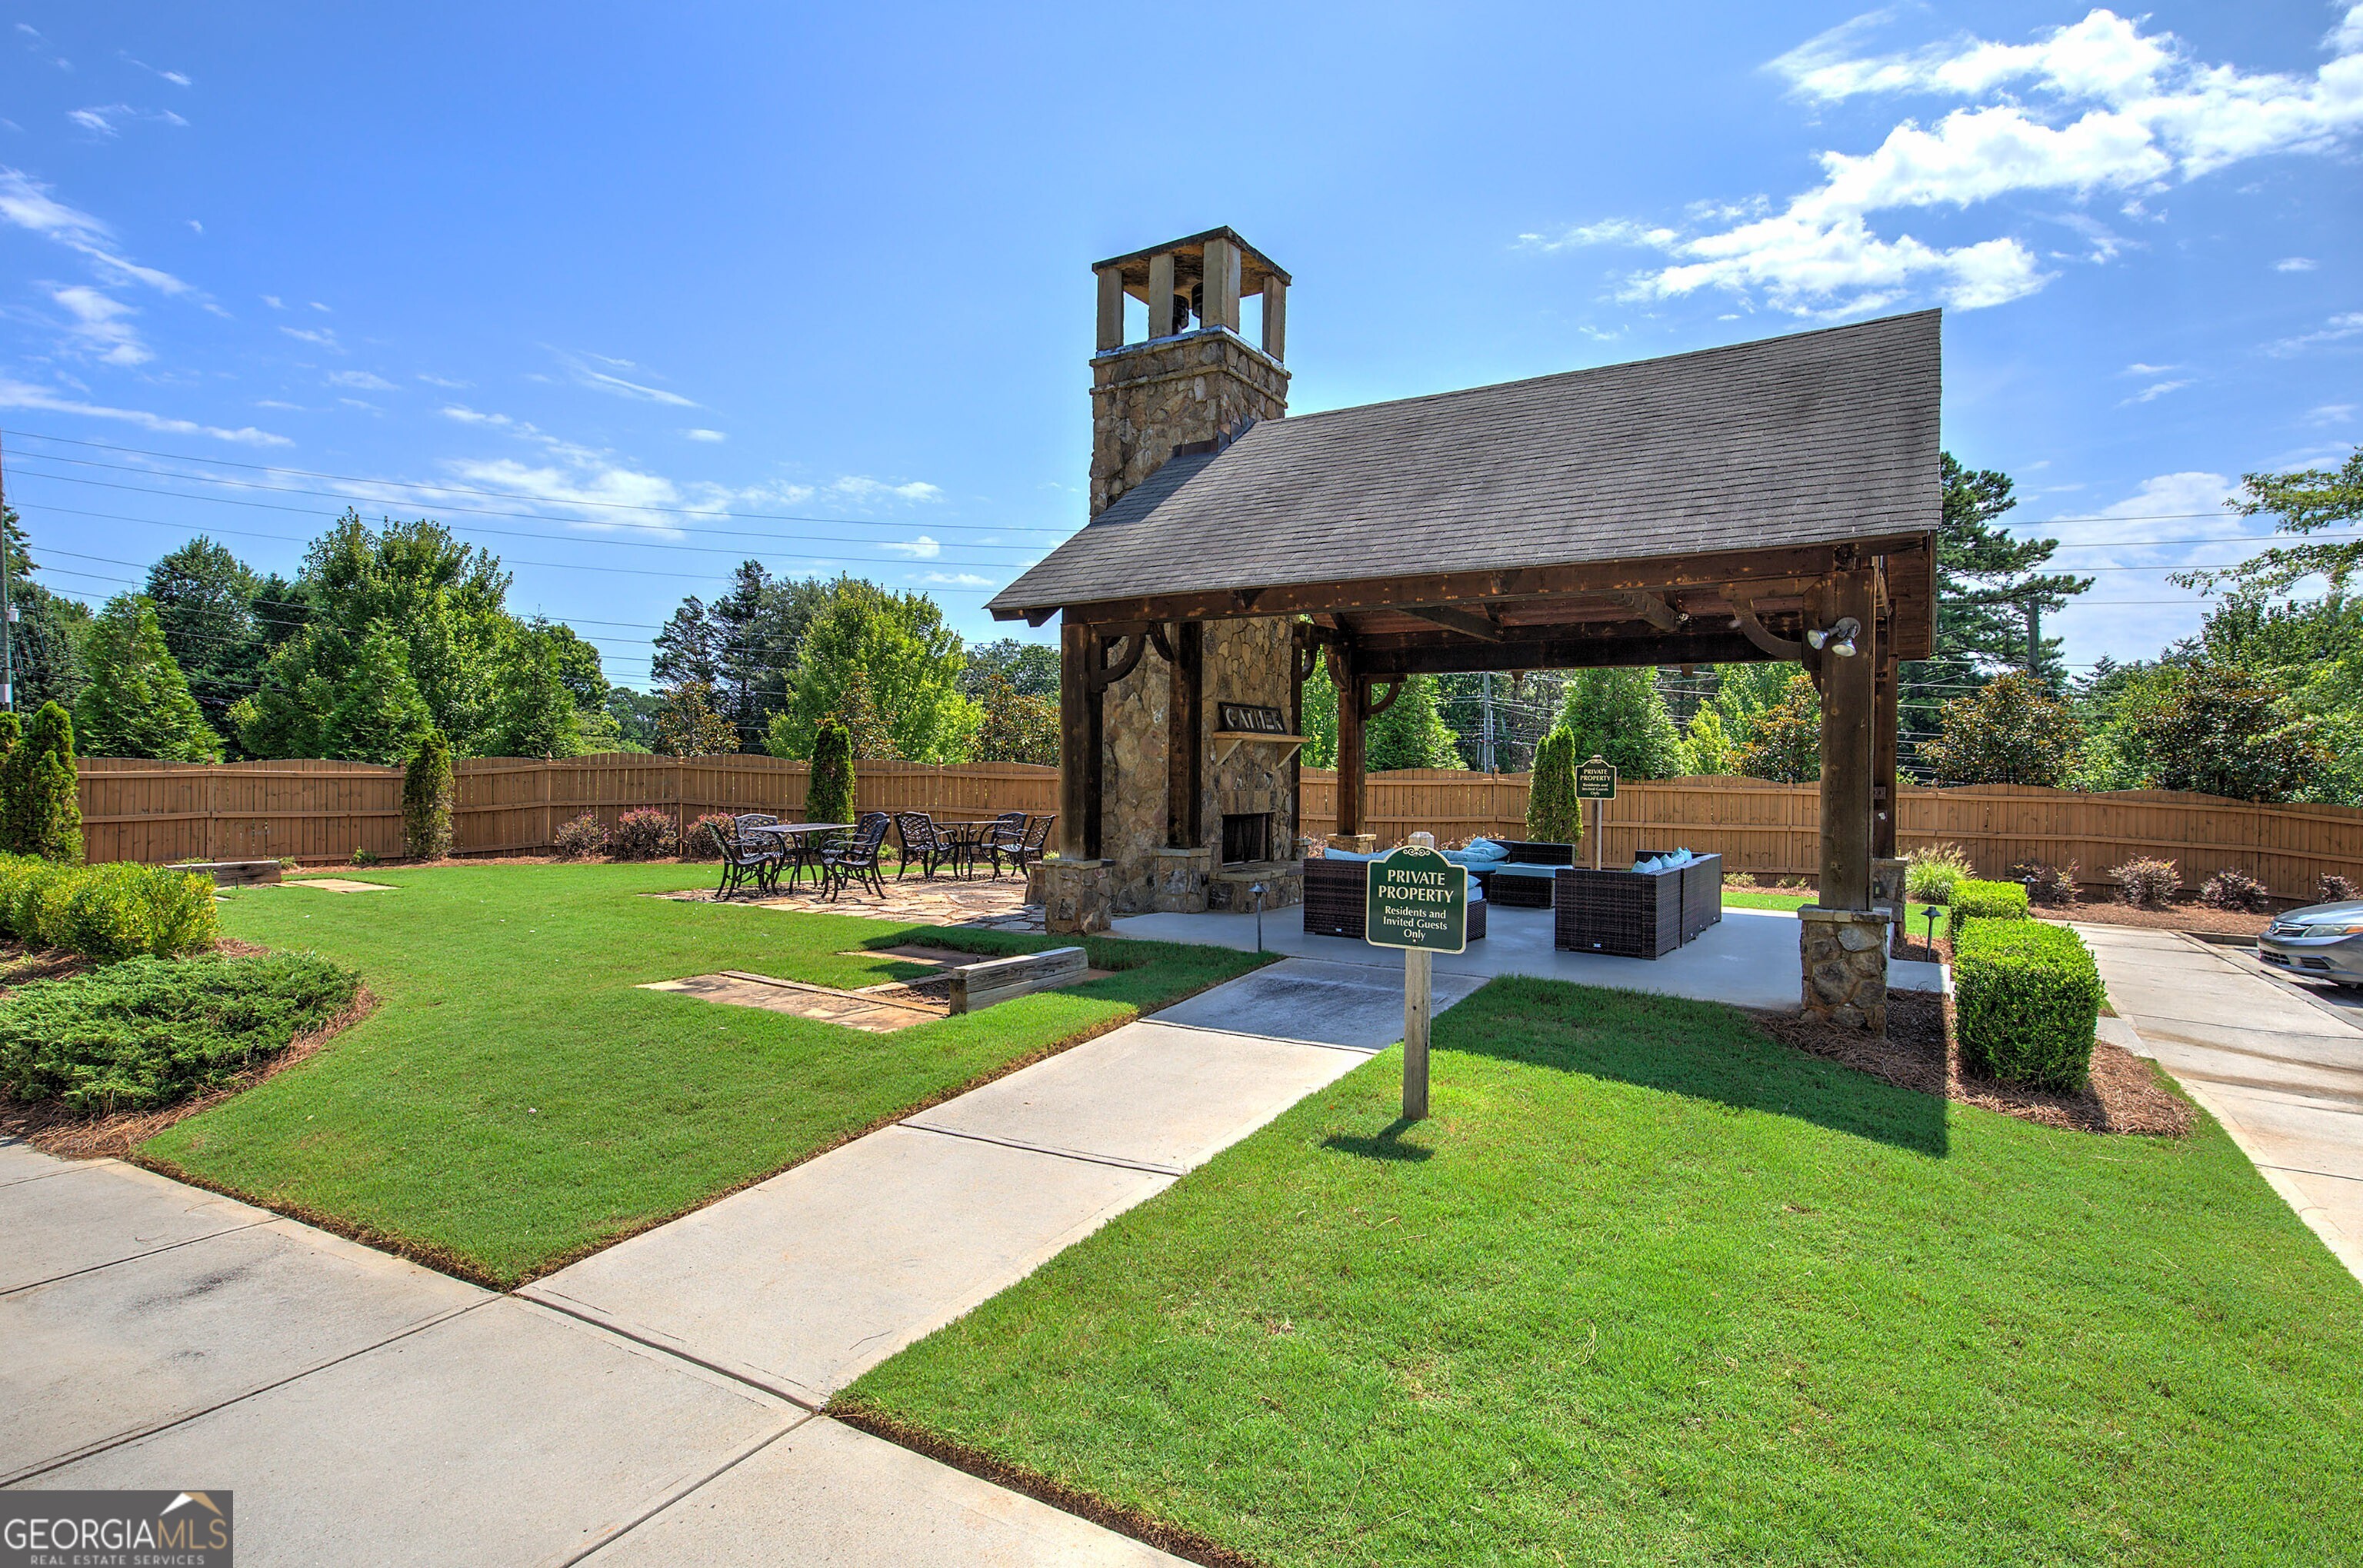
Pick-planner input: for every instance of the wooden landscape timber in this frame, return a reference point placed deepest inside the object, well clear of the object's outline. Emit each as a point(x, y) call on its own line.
point(979, 985)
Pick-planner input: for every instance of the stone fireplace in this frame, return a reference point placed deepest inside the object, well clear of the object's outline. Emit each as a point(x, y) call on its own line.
point(1247, 837)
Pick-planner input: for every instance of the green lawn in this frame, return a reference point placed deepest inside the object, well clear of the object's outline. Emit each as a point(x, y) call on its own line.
point(1651, 1288)
point(517, 1100)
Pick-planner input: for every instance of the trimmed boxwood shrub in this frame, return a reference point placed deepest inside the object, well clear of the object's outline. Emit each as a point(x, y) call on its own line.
point(2026, 998)
point(150, 1032)
point(114, 911)
point(1975, 900)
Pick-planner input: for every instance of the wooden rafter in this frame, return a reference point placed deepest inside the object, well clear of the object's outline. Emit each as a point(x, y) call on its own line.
point(1651, 608)
point(1473, 622)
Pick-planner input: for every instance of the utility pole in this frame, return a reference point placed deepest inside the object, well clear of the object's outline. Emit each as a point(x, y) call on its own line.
point(7, 605)
point(1485, 746)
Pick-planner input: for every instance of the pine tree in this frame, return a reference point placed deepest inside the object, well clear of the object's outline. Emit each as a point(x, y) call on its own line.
point(828, 796)
point(44, 810)
point(1620, 714)
point(138, 702)
point(1553, 813)
point(426, 791)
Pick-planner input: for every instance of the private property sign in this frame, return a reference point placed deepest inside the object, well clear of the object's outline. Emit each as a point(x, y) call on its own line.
point(1595, 780)
point(1417, 898)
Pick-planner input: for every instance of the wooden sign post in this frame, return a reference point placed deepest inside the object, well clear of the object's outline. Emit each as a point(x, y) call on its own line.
point(1596, 780)
point(1417, 901)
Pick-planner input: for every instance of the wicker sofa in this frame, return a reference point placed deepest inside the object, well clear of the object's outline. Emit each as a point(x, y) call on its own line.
point(1337, 900)
point(1635, 914)
point(1524, 881)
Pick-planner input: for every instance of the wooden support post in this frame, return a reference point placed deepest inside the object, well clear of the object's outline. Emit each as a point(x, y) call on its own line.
point(1419, 969)
point(1353, 702)
point(1886, 801)
point(1185, 733)
point(1079, 744)
point(1847, 704)
point(1160, 296)
point(1275, 318)
point(1110, 312)
point(1220, 277)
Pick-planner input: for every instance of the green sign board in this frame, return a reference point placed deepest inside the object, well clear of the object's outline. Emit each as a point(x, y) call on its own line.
point(1595, 780)
point(1417, 899)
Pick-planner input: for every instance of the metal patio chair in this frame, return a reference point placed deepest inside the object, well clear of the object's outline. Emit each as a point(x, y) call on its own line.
point(857, 861)
point(1006, 835)
point(922, 840)
point(742, 861)
point(1033, 842)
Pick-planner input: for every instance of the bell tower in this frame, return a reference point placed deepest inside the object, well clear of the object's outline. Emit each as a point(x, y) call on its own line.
point(1194, 383)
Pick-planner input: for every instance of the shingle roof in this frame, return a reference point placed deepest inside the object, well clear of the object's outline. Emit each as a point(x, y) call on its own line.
point(1815, 437)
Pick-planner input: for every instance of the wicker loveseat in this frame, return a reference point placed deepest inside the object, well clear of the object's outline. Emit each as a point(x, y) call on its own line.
point(1524, 881)
point(1336, 898)
point(1635, 914)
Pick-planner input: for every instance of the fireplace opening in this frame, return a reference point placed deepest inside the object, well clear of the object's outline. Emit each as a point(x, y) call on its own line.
point(1247, 837)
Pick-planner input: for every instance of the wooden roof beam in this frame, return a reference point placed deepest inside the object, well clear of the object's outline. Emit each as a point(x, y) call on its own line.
point(1474, 624)
point(1652, 609)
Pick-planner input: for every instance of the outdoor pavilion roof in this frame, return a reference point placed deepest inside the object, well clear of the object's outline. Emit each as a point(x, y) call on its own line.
point(1591, 517)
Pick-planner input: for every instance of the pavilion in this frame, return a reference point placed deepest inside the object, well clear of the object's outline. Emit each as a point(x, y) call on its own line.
point(1766, 501)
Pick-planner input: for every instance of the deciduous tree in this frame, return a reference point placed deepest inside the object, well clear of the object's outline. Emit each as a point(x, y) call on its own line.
point(1784, 741)
point(2016, 730)
point(138, 702)
point(1620, 714)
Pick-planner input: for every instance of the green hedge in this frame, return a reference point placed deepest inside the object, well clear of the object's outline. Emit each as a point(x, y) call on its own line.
point(1974, 899)
point(116, 910)
point(148, 1032)
point(2026, 998)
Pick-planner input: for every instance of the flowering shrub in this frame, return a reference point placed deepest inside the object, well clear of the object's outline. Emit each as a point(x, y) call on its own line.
point(643, 832)
point(697, 843)
point(2333, 890)
point(2147, 884)
point(2230, 889)
point(2046, 883)
point(579, 839)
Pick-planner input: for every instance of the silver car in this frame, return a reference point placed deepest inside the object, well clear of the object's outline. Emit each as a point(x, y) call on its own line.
point(2321, 942)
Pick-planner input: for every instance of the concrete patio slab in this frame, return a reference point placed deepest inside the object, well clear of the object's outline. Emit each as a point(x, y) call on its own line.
point(1152, 1094)
point(113, 1352)
point(1321, 1000)
point(826, 1495)
point(1748, 959)
point(507, 1433)
point(102, 1211)
point(806, 1281)
point(19, 1161)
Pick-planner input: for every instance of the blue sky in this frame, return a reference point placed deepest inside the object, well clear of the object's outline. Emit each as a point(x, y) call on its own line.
point(815, 279)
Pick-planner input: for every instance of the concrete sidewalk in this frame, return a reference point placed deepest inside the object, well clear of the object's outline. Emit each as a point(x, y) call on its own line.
point(653, 1404)
point(801, 1284)
point(2280, 1069)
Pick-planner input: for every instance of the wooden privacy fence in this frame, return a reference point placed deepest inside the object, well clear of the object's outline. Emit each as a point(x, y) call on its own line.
point(159, 812)
point(156, 811)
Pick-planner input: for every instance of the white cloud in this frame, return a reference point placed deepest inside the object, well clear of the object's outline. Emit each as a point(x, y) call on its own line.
point(274, 402)
point(317, 305)
point(2138, 369)
point(2096, 107)
point(102, 325)
point(2330, 413)
point(2337, 329)
point(705, 436)
point(95, 120)
point(319, 338)
point(617, 386)
point(2295, 264)
point(921, 549)
point(360, 379)
point(955, 579)
point(444, 382)
point(18, 394)
point(195, 227)
point(2155, 391)
point(274, 302)
point(591, 488)
point(861, 487)
point(27, 203)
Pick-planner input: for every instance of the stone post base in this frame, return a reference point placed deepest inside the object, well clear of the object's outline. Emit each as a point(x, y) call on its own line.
point(1845, 957)
point(1887, 893)
point(1178, 879)
point(1355, 842)
point(1078, 896)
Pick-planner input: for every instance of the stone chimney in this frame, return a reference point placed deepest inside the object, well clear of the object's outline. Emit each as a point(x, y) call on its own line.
point(1194, 383)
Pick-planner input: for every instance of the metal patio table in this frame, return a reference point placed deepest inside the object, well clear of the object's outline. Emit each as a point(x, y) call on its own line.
point(793, 837)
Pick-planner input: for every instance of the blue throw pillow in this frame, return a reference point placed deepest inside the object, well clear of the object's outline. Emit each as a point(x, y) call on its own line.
point(1486, 849)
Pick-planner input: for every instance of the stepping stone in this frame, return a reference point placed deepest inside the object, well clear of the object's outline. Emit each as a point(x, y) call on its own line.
point(337, 885)
point(855, 1009)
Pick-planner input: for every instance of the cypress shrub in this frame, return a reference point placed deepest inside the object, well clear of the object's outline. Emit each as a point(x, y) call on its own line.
point(12, 734)
point(2027, 998)
point(828, 797)
point(426, 799)
point(1553, 813)
point(44, 814)
point(1975, 899)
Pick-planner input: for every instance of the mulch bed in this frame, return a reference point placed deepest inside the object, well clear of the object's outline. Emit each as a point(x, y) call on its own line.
point(2125, 1094)
point(2175, 917)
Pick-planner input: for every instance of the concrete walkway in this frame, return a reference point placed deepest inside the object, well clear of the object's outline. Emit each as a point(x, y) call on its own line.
point(650, 1405)
point(2281, 1068)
